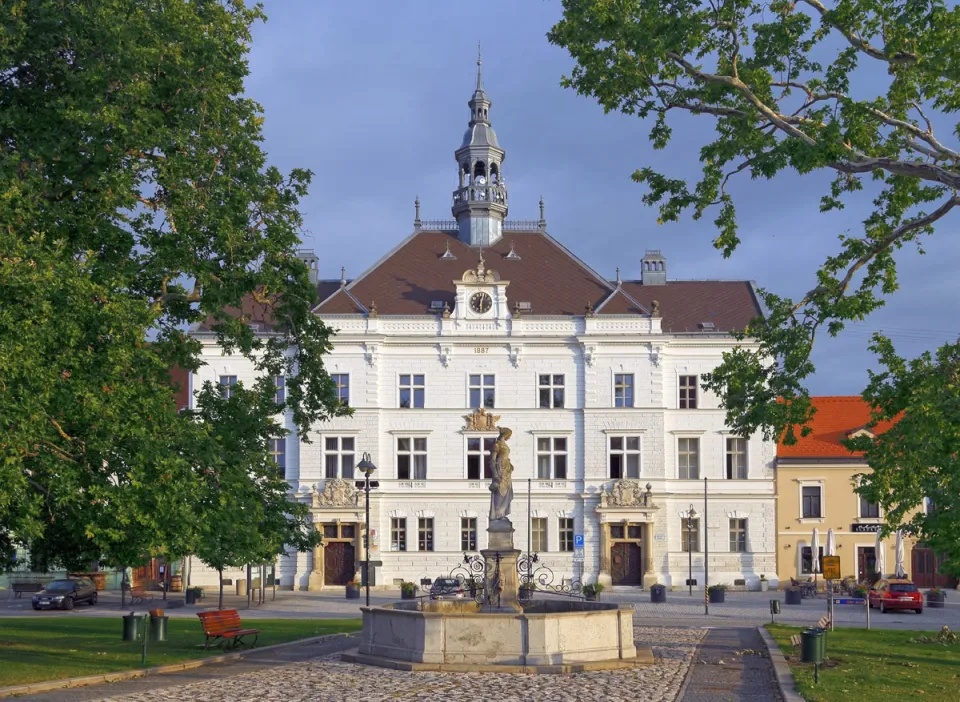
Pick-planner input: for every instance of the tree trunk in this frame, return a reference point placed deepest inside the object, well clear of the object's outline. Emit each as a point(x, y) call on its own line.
point(123, 588)
point(163, 579)
point(249, 583)
point(220, 603)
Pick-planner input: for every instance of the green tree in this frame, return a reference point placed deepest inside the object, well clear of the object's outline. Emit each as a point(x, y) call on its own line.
point(136, 202)
point(780, 82)
point(246, 516)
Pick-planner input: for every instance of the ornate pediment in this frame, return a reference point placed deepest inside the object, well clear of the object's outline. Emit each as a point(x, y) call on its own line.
point(480, 420)
point(336, 493)
point(627, 493)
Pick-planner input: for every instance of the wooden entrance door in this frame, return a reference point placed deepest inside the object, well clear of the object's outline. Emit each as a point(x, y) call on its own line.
point(626, 566)
point(925, 571)
point(338, 564)
point(866, 562)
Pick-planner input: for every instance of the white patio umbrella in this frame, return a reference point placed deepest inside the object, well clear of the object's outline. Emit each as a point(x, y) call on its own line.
point(898, 554)
point(881, 560)
point(831, 543)
point(815, 553)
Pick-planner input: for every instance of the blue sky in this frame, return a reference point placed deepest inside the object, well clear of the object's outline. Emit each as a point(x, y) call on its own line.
point(372, 97)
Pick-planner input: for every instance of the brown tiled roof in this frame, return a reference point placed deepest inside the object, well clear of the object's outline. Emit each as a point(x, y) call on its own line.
point(621, 302)
point(836, 418)
point(407, 280)
point(684, 304)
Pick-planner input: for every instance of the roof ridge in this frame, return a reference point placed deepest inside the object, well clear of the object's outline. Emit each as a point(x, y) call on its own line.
point(577, 259)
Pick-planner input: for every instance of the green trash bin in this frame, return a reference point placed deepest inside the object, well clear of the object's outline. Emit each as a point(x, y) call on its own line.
point(812, 645)
point(131, 627)
point(158, 628)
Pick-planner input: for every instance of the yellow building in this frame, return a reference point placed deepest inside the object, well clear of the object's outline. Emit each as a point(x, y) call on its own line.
point(815, 490)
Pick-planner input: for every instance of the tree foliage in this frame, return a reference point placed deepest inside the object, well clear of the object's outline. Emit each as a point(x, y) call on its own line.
point(783, 85)
point(135, 201)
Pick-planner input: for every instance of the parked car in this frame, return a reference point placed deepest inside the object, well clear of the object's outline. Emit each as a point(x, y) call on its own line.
point(446, 588)
point(64, 594)
point(896, 593)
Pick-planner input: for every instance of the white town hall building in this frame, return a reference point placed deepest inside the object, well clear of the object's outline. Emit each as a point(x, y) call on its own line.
point(478, 322)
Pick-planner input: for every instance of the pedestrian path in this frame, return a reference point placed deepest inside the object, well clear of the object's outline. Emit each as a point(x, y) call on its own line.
point(731, 664)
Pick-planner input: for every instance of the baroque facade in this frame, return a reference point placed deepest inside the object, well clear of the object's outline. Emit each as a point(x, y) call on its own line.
point(478, 322)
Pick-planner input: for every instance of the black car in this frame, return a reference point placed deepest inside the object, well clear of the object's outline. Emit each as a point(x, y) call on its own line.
point(64, 594)
point(446, 588)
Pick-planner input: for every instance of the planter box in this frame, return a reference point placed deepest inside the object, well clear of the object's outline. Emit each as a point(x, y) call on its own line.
point(935, 600)
point(406, 594)
point(716, 596)
point(764, 585)
point(794, 596)
point(353, 592)
point(658, 593)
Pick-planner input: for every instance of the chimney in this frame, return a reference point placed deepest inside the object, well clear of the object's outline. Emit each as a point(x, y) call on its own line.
point(653, 268)
point(312, 262)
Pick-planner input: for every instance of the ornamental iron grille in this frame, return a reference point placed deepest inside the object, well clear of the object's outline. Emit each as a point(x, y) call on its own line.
point(534, 578)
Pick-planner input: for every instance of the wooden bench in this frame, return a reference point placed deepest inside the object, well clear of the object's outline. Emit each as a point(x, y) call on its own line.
point(20, 588)
point(138, 595)
point(795, 640)
point(225, 625)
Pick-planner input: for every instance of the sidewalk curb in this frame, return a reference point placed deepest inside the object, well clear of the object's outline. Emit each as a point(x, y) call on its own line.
point(785, 680)
point(49, 685)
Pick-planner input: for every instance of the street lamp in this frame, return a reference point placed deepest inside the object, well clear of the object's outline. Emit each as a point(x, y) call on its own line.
point(691, 516)
point(366, 467)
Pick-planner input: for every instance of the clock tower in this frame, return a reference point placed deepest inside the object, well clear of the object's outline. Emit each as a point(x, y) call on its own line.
point(481, 294)
point(480, 200)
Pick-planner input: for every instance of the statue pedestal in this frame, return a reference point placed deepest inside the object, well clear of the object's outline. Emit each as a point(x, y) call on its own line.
point(500, 579)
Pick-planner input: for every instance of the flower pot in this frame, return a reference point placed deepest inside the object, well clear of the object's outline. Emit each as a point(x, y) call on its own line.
point(793, 596)
point(716, 596)
point(404, 594)
point(591, 597)
point(191, 597)
point(935, 599)
point(764, 585)
point(353, 592)
point(658, 593)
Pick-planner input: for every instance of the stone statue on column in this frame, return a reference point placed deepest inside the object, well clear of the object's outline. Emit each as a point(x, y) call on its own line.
point(501, 487)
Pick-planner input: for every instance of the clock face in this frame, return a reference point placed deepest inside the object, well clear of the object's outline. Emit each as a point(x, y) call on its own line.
point(481, 180)
point(480, 302)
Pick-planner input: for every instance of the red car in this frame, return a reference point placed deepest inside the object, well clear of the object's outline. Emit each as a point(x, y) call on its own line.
point(896, 593)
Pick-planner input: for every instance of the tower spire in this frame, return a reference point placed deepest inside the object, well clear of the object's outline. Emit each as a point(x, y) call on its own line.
point(479, 67)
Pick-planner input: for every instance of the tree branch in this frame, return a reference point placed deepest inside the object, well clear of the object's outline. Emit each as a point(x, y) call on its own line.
point(857, 42)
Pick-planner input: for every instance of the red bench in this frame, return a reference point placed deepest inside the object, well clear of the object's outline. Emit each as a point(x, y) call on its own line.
point(225, 625)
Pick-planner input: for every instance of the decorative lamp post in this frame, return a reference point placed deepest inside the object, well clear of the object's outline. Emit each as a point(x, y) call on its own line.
point(366, 467)
point(691, 516)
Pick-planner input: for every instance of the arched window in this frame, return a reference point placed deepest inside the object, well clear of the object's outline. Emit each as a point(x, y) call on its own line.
point(479, 169)
point(494, 174)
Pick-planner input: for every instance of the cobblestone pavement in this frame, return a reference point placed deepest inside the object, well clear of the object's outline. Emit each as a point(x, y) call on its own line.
point(732, 665)
point(327, 679)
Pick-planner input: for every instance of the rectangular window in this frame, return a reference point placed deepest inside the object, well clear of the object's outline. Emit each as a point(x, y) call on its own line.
point(280, 393)
point(412, 390)
point(691, 535)
point(478, 458)
point(688, 392)
point(278, 451)
point(688, 453)
point(398, 534)
point(806, 560)
point(810, 495)
point(425, 534)
point(566, 534)
point(624, 457)
point(412, 458)
point(339, 457)
point(736, 458)
point(552, 458)
point(869, 510)
point(551, 391)
point(623, 390)
point(482, 391)
point(738, 535)
point(342, 383)
point(468, 533)
point(226, 385)
point(539, 534)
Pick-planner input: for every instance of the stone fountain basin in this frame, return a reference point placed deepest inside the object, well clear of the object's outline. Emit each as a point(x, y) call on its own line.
point(548, 636)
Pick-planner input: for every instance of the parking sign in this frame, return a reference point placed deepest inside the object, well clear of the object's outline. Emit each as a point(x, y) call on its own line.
point(577, 541)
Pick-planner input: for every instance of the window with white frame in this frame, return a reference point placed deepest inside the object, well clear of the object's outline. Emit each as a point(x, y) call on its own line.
point(538, 534)
point(226, 386)
point(623, 390)
point(552, 458)
point(738, 535)
point(551, 389)
point(566, 533)
point(280, 390)
point(412, 391)
point(624, 457)
point(478, 458)
point(342, 383)
point(425, 533)
point(398, 533)
point(691, 535)
point(811, 502)
point(468, 533)
point(688, 457)
point(412, 458)
point(688, 392)
point(806, 560)
point(736, 458)
point(278, 452)
point(868, 509)
point(339, 457)
point(483, 391)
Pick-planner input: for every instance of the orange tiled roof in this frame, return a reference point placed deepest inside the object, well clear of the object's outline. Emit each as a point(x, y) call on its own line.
point(836, 418)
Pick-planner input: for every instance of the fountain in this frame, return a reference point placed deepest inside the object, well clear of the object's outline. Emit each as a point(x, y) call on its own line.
point(494, 633)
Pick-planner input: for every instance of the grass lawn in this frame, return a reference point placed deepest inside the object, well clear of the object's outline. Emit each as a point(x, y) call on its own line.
point(52, 648)
point(867, 666)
